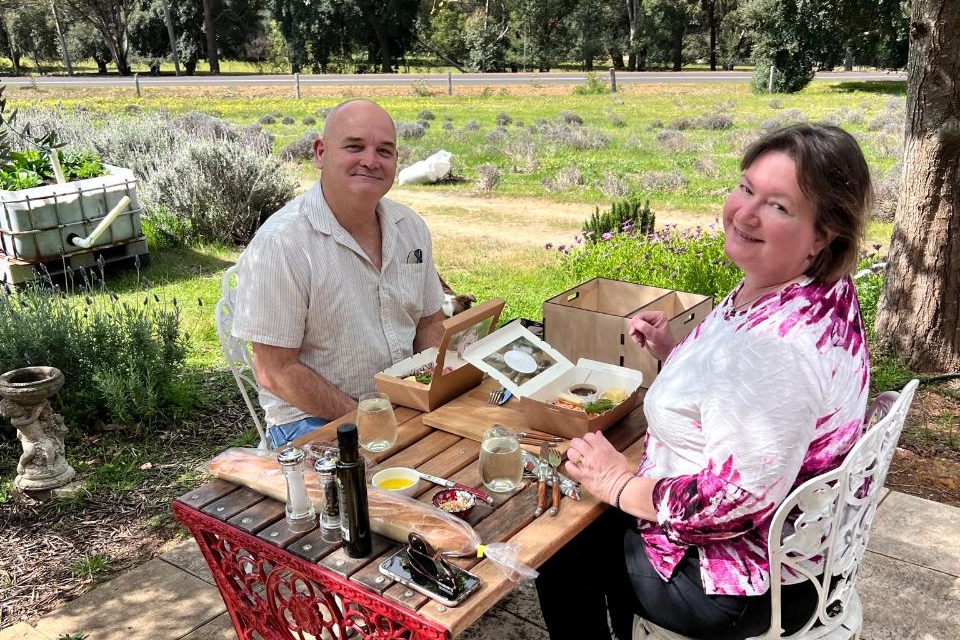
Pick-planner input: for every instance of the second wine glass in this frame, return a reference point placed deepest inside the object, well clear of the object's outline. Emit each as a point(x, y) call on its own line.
point(376, 423)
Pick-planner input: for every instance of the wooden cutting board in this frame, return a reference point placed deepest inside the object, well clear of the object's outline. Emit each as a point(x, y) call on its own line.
point(470, 414)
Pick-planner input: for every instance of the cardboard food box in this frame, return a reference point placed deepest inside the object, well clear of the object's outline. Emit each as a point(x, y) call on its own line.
point(537, 373)
point(460, 331)
point(592, 320)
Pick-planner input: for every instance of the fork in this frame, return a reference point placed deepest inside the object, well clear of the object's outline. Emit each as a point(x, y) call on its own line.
point(554, 460)
point(499, 396)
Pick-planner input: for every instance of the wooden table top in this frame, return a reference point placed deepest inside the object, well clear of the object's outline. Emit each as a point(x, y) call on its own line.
point(511, 519)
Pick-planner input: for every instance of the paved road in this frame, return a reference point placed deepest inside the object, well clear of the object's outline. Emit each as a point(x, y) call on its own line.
point(441, 79)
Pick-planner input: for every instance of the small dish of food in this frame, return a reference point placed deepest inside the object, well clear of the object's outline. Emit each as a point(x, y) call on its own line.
point(587, 393)
point(402, 480)
point(455, 501)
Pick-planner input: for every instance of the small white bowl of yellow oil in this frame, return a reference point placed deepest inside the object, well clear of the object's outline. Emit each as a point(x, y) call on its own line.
point(402, 480)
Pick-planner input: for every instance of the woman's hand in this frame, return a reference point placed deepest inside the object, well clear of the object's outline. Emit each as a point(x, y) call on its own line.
point(650, 329)
point(594, 463)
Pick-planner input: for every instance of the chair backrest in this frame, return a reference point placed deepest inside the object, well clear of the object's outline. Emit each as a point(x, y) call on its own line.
point(237, 351)
point(828, 519)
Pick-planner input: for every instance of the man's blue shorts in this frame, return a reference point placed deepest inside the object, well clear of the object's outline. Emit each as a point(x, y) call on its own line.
point(281, 434)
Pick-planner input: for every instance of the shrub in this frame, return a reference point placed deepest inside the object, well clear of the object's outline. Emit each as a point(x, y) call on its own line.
point(503, 119)
point(309, 121)
point(267, 119)
point(615, 119)
point(614, 186)
point(671, 140)
point(794, 71)
point(472, 125)
point(488, 178)
point(220, 180)
point(593, 85)
point(565, 178)
point(225, 189)
point(715, 121)
point(122, 362)
point(625, 215)
point(301, 148)
point(411, 130)
point(691, 260)
point(569, 117)
point(663, 181)
point(287, 120)
point(426, 114)
point(522, 154)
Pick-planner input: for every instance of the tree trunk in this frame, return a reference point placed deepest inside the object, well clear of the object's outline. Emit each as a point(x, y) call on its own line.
point(14, 55)
point(213, 56)
point(633, 17)
point(173, 37)
point(918, 314)
point(63, 39)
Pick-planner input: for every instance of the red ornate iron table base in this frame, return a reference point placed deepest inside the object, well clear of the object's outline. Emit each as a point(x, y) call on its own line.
point(272, 587)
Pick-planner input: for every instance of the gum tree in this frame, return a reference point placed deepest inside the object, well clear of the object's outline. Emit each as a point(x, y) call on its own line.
point(918, 314)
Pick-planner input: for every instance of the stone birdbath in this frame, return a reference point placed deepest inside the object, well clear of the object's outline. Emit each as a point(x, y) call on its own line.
point(25, 400)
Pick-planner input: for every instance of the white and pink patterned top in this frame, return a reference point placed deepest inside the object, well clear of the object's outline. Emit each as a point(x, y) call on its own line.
point(750, 405)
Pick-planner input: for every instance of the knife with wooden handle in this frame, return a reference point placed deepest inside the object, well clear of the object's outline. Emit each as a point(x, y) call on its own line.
point(542, 478)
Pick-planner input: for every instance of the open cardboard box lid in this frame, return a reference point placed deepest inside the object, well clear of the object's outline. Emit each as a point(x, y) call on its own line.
point(460, 331)
point(525, 364)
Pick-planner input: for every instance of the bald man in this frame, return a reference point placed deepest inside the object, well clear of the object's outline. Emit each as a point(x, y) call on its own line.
point(340, 283)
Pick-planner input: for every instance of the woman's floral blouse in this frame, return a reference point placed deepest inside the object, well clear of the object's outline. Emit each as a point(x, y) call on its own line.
point(751, 404)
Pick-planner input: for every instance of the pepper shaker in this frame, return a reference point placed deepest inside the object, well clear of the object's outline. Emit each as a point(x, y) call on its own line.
point(301, 516)
point(326, 468)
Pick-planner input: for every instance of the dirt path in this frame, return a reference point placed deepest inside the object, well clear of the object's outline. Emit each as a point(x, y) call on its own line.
point(520, 222)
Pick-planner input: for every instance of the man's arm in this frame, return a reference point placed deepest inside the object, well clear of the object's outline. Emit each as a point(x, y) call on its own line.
point(280, 372)
point(429, 332)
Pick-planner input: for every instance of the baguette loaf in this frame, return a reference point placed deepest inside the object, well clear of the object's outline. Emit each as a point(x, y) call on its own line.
point(393, 516)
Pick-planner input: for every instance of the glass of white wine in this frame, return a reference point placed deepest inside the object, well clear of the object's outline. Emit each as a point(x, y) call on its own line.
point(501, 460)
point(376, 423)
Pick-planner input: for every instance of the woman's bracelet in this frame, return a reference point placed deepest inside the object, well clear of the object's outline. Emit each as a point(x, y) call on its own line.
point(616, 501)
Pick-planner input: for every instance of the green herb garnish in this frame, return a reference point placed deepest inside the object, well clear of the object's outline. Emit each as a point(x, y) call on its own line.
point(424, 378)
point(599, 406)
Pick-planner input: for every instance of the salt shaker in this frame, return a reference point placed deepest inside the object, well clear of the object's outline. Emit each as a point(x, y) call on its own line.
point(300, 514)
point(326, 468)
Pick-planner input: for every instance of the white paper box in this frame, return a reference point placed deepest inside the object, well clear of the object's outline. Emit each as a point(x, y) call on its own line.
point(552, 375)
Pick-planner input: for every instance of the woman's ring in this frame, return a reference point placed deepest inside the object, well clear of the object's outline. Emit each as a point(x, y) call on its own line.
point(579, 460)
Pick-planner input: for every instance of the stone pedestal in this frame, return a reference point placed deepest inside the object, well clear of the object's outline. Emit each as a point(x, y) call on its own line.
point(24, 400)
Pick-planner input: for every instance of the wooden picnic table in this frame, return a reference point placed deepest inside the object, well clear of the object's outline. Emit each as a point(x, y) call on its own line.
point(277, 584)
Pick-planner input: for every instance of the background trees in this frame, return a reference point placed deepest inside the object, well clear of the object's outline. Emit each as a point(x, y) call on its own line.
point(797, 36)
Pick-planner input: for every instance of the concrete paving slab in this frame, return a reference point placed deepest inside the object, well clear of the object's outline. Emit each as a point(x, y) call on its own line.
point(220, 628)
point(522, 602)
point(21, 631)
point(154, 600)
point(500, 624)
point(919, 531)
point(186, 555)
point(903, 601)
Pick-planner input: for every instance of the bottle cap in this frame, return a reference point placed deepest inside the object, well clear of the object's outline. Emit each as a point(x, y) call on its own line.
point(347, 436)
point(290, 456)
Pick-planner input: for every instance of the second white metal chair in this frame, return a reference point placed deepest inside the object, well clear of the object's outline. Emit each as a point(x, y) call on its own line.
point(821, 530)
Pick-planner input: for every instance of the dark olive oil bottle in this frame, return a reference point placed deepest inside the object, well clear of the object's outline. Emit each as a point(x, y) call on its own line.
point(352, 484)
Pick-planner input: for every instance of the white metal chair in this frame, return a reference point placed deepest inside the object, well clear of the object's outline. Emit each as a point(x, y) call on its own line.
point(828, 517)
point(237, 352)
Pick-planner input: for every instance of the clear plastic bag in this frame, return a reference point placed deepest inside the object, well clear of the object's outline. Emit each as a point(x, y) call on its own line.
point(391, 515)
point(426, 171)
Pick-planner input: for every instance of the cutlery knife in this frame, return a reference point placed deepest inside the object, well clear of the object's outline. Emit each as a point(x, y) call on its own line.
point(450, 484)
point(542, 478)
